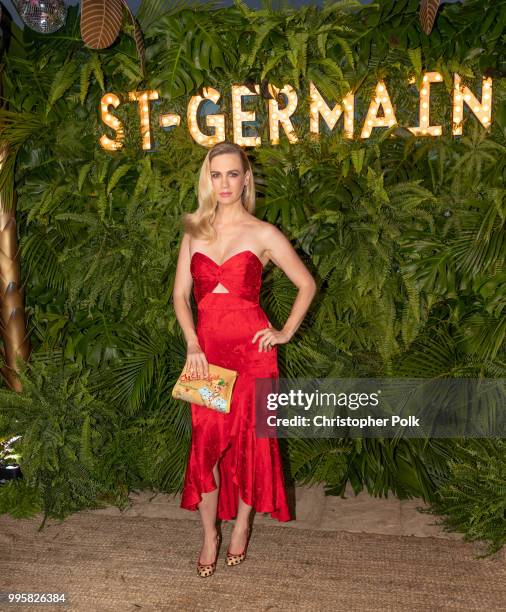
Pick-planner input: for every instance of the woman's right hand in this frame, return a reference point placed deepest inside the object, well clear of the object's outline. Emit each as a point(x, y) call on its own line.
point(196, 363)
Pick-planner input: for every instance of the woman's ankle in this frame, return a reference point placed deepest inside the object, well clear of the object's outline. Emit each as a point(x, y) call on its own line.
point(210, 534)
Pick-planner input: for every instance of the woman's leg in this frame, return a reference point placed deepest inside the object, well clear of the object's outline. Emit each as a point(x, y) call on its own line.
point(240, 531)
point(208, 509)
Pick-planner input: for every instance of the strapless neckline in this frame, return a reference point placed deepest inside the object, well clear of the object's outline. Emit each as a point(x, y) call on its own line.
point(246, 251)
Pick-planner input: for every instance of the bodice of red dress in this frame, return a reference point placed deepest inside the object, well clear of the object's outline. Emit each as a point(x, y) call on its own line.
point(240, 274)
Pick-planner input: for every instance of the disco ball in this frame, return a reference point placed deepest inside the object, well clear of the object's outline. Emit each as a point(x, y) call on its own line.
point(44, 16)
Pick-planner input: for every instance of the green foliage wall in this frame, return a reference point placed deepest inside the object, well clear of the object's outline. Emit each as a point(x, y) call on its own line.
point(405, 236)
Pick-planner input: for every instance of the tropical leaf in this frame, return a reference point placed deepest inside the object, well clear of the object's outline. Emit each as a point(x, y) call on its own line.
point(139, 42)
point(151, 10)
point(404, 234)
point(100, 22)
point(428, 11)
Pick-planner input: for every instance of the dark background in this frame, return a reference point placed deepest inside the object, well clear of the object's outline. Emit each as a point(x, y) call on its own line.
point(134, 5)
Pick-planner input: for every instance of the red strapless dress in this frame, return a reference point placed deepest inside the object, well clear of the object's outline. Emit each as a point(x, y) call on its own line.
point(249, 466)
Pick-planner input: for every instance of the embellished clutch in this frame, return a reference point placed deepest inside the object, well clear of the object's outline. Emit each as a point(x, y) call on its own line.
point(214, 392)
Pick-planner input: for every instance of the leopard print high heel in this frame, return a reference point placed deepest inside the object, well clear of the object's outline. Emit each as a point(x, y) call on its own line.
point(237, 559)
point(207, 569)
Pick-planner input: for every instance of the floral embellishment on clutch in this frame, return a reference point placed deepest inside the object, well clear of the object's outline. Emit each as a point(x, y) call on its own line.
point(214, 392)
point(220, 404)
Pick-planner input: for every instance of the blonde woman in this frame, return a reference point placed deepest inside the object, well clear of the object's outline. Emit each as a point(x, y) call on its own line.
point(223, 253)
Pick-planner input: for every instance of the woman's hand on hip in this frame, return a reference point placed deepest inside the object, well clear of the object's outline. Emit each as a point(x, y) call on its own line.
point(196, 362)
point(269, 337)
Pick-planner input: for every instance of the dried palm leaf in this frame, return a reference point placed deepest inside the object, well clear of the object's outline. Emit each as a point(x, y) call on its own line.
point(139, 42)
point(100, 22)
point(428, 11)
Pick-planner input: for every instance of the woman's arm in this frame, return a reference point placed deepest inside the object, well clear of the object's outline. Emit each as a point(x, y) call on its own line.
point(285, 257)
point(196, 362)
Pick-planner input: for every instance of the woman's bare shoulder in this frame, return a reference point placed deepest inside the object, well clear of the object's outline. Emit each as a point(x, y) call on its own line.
point(263, 231)
point(186, 239)
point(263, 227)
point(270, 238)
point(268, 231)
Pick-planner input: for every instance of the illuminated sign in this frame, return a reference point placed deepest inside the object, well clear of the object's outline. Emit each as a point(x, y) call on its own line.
point(282, 116)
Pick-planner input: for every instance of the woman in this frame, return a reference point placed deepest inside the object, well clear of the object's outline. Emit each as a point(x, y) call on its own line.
point(223, 252)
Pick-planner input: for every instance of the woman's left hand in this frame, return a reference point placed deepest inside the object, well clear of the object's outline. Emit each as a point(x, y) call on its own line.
point(269, 337)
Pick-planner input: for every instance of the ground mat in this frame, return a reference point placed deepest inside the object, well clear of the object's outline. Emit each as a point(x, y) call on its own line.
point(122, 563)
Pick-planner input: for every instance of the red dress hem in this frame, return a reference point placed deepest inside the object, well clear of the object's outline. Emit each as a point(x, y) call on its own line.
point(278, 514)
point(192, 496)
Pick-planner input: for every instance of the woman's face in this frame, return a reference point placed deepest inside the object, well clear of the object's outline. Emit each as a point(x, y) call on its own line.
point(227, 177)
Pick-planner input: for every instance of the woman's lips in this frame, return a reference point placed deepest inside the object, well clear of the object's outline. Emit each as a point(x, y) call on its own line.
point(225, 193)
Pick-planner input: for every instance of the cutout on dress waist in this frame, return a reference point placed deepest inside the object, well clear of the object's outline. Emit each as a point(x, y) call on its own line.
point(220, 285)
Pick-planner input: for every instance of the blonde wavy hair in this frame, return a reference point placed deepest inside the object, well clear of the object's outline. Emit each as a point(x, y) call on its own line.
point(199, 224)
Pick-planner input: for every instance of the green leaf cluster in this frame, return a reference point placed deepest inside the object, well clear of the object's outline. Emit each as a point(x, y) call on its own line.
point(405, 236)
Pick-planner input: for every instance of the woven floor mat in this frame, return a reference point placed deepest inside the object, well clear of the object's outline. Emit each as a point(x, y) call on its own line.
point(108, 563)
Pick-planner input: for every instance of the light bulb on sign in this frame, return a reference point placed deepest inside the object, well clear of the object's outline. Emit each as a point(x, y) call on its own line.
point(372, 120)
point(319, 107)
point(216, 121)
point(425, 129)
point(142, 97)
point(169, 120)
point(239, 116)
point(282, 115)
point(111, 121)
point(462, 93)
